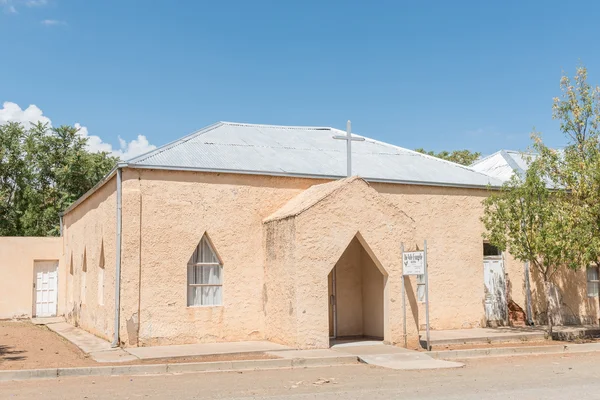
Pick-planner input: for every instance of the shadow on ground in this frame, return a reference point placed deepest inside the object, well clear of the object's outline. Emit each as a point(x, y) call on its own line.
point(7, 353)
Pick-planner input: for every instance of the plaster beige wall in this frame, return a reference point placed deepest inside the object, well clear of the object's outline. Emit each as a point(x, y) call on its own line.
point(515, 281)
point(372, 296)
point(348, 273)
point(279, 297)
point(89, 233)
point(359, 290)
point(17, 257)
point(322, 234)
point(449, 218)
point(165, 214)
point(574, 307)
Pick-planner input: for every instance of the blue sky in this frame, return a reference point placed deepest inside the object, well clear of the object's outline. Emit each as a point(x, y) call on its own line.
point(436, 74)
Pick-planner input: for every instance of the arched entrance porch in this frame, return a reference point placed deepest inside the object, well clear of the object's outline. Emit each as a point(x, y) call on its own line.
point(356, 296)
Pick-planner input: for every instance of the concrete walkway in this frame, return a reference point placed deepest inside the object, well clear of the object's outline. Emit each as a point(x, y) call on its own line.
point(370, 352)
point(203, 349)
point(98, 349)
point(392, 357)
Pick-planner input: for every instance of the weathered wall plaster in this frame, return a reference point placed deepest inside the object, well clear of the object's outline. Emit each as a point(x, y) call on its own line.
point(165, 215)
point(326, 220)
point(373, 285)
point(349, 291)
point(89, 232)
point(275, 274)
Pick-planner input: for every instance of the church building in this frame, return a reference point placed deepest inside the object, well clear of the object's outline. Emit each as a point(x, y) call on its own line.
point(259, 232)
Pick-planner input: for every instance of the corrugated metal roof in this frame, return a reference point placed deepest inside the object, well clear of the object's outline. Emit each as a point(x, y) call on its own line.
point(504, 163)
point(304, 151)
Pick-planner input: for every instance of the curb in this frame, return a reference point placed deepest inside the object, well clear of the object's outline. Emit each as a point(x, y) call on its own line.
point(515, 351)
point(157, 369)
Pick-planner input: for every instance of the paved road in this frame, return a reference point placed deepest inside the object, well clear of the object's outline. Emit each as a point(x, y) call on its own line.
point(540, 377)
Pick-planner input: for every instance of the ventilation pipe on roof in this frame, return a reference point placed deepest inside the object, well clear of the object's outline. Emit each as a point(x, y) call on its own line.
point(115, 342)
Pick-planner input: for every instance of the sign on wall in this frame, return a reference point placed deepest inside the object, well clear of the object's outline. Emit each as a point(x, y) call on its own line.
point(413, 263)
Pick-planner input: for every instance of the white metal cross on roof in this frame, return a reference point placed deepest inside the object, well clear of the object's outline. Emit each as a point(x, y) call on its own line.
point(348, 138)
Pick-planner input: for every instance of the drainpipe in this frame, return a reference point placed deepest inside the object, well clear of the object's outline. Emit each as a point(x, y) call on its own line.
point(115, 342)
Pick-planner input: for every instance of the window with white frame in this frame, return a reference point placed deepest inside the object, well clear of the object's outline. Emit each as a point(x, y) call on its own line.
point(205, 276)
point(593, 282)
point(421, 288)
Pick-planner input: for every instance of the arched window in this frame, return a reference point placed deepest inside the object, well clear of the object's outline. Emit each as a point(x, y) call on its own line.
point(205, 276)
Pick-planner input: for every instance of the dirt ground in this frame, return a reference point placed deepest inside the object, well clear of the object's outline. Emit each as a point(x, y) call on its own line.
point(24, 345)
point(216, 357)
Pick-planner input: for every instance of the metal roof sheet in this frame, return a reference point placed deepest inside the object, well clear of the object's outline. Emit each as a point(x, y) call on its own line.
point(504, 163)
point(304, 151)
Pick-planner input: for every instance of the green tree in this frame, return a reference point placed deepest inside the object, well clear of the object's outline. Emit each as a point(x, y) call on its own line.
point(534, 225)
point(463, 157)
point(42, 171)
point(576, 169)
point(551, 216)
point(14, 173)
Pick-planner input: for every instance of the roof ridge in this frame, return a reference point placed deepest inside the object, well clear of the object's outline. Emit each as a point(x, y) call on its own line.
point(428, 156)
point(500, 152)
point(484, 158)
point(278, 126)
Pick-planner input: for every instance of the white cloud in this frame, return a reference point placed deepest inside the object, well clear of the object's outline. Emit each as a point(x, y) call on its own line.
point(127, 150)
point(10, 6)
point(11, 112)
point(52, 22)
point(36, 3)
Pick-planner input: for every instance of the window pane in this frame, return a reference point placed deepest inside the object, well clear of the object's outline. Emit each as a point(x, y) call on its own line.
point(194, 273)
point(211, 295)
point(592, 273)
point(204, 275)
point(211, 274)
point(194, 296)
point(490, 250)
point(206, 252)
point(592, 289)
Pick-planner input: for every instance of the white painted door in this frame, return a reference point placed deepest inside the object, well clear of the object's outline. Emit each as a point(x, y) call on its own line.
point(46, 288)
point(495, 290)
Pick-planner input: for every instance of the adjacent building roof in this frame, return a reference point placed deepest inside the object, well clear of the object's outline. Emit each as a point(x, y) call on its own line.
point(306, 152)
point(504, 163)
